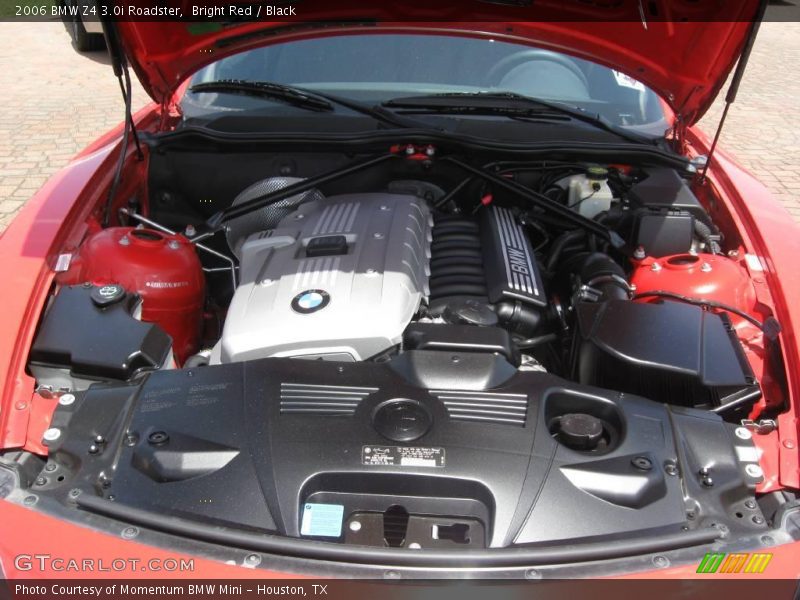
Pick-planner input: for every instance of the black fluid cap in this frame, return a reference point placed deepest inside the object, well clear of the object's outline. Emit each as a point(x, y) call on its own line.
point(106, 295)
point(402, 420)
point(470, 312)
point(580, 431)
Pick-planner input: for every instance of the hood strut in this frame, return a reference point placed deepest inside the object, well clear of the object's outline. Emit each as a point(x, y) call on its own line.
point(736, 80)
point(120, 66)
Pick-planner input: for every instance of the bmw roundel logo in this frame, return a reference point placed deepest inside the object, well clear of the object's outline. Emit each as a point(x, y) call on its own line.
point(310, 301)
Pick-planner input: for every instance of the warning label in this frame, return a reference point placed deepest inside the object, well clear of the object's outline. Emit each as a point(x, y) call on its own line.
point(402, 456)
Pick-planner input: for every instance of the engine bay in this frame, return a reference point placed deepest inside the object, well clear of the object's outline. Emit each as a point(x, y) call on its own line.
point(412, 351)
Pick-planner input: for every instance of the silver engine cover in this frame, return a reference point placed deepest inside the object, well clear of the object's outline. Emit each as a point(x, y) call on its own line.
point(349, 306)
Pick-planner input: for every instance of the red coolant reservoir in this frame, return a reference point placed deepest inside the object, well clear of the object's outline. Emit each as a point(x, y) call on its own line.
point(163, 269)
point(706, 277)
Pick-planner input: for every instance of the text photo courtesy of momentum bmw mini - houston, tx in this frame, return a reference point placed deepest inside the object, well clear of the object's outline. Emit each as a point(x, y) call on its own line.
point(343, 299)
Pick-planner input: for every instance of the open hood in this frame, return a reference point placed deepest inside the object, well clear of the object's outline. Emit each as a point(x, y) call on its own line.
point(683, 50)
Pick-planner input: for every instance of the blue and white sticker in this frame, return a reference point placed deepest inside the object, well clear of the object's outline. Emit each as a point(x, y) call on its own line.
point(324, 520)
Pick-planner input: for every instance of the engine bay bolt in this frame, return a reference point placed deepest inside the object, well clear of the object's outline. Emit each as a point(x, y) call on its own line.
point(124, 241)
point(754, 471)
point(391, 574)
point(253, 560)
point(41, 480)
point(384, 207)
point(690, 515)
point(158, 437)
point(789, 444)
point(733, 254)
point(655, 267)
point(52, 434)
point(74, 493)
point(174, 245)
point(20, 406)
point(131, 439)
point(355, 525)
point(377, 235)
point(642, 463)
point(30, 500)
point(639, 253)
point(129, 533)
point(456, 359)
point(430, 151)
point(705, 267)
point(758, 519)
point(671, 469)
point(50, 467)
point(708, 482)
point(662, 562)
point(743, 433)
point(410, 150)
point(767, 540)
point(99, 439)
point(532, 574)
point(66, 399)
point(750, 504)
point(94, 449)
point(415, 545)
point(190, 231)
point(704, 471)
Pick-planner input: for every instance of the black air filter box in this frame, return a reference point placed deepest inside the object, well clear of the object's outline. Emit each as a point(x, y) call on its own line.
point(669, 352)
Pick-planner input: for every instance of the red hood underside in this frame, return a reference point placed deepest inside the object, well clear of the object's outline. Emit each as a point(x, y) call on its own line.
point(682, 49)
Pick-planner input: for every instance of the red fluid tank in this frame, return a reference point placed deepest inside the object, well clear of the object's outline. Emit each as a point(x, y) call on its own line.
point(707, 277)
point(163, 269)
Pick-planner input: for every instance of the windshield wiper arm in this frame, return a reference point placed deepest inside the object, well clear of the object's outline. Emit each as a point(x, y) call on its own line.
point(264, 89)
point(508, 104)
point(305, 99)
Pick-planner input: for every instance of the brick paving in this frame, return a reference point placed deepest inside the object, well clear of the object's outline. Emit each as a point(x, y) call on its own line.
point(56, 101)
point(762, 130)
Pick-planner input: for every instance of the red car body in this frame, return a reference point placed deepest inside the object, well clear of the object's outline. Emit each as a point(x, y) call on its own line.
point(57, 218)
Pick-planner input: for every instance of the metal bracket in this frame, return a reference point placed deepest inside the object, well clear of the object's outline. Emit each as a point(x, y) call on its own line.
point(761, 427)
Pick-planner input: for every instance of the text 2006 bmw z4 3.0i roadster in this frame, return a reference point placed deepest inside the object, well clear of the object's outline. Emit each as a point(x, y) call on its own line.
point(456, 298)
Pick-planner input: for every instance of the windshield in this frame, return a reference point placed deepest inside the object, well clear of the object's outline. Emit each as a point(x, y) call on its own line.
point(374, 68)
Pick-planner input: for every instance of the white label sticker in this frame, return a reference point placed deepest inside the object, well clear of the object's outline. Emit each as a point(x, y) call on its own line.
point(627, 81)
point(402, 456)
point(63, 262)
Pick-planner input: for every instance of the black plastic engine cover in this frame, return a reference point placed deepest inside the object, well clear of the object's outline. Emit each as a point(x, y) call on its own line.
point(511, 269)
point(251, 444)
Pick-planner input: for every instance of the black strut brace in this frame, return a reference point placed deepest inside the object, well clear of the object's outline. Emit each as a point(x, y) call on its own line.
point(232, 212)
point(544, 202)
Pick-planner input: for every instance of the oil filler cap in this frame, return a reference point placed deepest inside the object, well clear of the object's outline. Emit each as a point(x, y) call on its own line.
point(580, 431)
point(401, 419)
point(106, 295)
